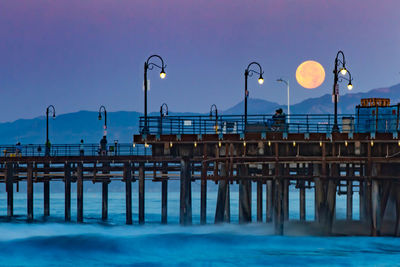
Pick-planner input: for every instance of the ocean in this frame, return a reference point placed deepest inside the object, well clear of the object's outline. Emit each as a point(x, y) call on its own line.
point(53, 242)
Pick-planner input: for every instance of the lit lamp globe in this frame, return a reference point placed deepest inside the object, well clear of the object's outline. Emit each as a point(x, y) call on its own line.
point(162, 74)
point(261, 80)
point(350, 86)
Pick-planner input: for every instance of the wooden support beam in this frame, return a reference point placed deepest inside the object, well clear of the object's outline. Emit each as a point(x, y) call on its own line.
point(141, 193)
point(221, 196)
point(203, 193)
point(330, 205)
point(128, 192)
point(396, 186)
point(278, 206)
point(79, 191)
point(185, 192)
point(376, 219)
point(104, 201)
point(286, 184)
point(317, 190)
point(10, 188)
point(227, 213)
point(244, 196)
point(164, 195)
point(362, 206)
point(46, 191)
point(259, 201)
point(67, 191)
point(270, 199)
point(29, 190)
point(104, 192)
point(349, 192)
point(302, 201)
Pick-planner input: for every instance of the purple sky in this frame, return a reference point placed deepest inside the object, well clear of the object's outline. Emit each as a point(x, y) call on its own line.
point(80, 54)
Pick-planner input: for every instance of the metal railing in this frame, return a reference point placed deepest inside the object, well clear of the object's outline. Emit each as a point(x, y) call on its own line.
point(35, 150)
point(310, 123)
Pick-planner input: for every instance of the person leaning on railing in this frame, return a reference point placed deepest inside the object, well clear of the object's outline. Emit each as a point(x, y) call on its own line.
point(278, 121)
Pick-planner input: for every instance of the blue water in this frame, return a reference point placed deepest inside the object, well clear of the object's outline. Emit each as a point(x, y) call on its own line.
point(53, 242)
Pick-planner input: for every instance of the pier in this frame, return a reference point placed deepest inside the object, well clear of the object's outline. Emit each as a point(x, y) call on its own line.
point(304, 153)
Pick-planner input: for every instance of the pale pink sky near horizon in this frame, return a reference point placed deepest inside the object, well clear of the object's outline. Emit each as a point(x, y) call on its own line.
point(78, 55)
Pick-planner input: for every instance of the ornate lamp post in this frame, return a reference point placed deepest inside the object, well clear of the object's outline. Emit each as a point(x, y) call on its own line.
point(102, 108)
point(288, 95)
point(49, 110)
point(149, 66)
point(213, 109)
point(249, 72)
point(340, 68)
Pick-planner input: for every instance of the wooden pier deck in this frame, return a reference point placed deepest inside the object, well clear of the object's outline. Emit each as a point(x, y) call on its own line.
point(330, 164)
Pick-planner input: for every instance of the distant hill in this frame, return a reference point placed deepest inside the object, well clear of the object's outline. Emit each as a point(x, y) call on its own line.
point(72, 127)
point(318, 105)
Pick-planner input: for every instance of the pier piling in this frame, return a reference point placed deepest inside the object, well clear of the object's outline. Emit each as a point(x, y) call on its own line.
point(67, 191)
point(10, 188)
point(128, 193)
point(46, 191)
point(79, 192)
point(29, 190)
point(185, 192)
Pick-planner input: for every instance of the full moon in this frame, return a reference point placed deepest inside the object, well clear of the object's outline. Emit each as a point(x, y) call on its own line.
point(310, 74)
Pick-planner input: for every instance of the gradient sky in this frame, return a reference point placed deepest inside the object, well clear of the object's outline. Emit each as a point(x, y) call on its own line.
point(80, 54)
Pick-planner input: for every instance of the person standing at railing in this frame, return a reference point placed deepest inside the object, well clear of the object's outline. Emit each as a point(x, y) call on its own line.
point(103, 146)
point(81, 149)
point(18, 149)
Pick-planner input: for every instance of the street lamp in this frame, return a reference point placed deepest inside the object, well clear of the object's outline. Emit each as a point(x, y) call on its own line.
point(340, 68)
point(249, 72)
point(52, 110)
point(164, 110)
point(102, 108)
point(213, 109)
point(149, 66)
point(288, 96)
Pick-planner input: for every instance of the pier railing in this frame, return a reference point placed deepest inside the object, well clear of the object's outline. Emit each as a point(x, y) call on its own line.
point(33, 150)
point(310, 123)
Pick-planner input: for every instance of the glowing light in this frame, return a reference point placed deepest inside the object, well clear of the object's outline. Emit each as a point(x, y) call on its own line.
point(162, 74)
point(219, 144)
point(269, 143)
point(343, 71)
point(349, 86)
point(170, 144)
point(244, 143)
point(310, 74)
point(372, 143)
point(134, 145)
point(195, 144)
point(294, 143)
point(260, 80)
point(345, 143)
point(146, 145)
point(320, 143)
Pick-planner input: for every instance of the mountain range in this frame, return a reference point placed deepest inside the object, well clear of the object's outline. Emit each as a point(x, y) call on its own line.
point(72, 127)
